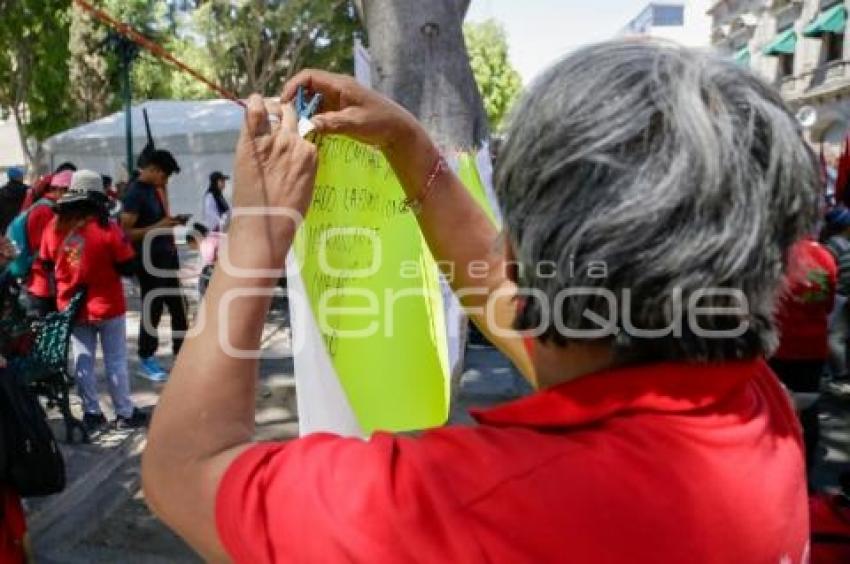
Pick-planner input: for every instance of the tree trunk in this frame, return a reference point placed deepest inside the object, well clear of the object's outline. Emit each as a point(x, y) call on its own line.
point(31, 162)
point(419, 59)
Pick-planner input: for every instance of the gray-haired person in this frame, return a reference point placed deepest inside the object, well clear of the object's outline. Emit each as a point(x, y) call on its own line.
point(650, 195)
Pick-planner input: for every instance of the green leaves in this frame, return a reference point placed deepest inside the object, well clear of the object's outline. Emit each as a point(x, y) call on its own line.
point(256, 46)
point(500, 84)
point(34, 65)
point(56, 71)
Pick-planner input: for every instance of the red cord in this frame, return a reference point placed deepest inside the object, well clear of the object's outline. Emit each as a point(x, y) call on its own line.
point(155, 49)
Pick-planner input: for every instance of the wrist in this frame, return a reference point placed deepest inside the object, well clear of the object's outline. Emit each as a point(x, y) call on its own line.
point(259, 242)
point(410, 142)
point(412, 160)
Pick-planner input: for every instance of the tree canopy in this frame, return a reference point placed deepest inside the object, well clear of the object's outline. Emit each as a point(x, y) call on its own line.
point(499, 82)
point(57, 68)
point(255, 46)
point(34, 66)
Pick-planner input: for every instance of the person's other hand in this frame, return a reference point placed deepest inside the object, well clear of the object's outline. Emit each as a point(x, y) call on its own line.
point(349, 108)
point(275, 170)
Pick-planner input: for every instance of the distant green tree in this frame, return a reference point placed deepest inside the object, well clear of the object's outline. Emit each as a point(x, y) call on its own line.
point(500, 84)
point(89, 78)
point(255, 46)
point(151, 78)
point(34, 68)
point(184, 86)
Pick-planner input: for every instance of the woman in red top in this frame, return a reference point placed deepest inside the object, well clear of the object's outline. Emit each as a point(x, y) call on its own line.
point(87, 251)
point(650, 194)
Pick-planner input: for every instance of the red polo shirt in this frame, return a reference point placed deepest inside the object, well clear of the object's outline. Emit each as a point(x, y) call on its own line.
point(659, 463)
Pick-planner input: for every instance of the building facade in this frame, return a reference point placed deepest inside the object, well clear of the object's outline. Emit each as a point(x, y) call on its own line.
point(685, 22)
point(799, 46)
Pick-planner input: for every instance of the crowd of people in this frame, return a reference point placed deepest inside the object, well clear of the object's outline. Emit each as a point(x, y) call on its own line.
point(680, 171)
point(65, 252)
point(73, 232)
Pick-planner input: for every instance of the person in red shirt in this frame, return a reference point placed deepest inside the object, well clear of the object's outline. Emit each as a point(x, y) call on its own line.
point(13, 527)
point(39, 216)
point(84, 250)
point(803, 319)
point(650, 194)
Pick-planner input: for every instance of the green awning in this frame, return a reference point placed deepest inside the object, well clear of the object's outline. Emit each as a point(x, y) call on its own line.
point(784, 44)
point(742, 57)
point(832, 20)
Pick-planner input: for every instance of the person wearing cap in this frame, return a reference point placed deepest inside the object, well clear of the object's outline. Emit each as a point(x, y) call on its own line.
point(12, 196)
point(38, 189)
point(82, 249)
point(39, 216)
point(146, 215)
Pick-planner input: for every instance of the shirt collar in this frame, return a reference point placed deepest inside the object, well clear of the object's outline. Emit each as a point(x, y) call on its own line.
point(668, 387)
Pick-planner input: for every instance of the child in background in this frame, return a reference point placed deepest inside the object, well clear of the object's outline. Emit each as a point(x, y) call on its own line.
point(206, 242)
point(85, 250)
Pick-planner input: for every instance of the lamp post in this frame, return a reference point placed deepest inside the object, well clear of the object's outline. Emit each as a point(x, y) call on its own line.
point(127, 51)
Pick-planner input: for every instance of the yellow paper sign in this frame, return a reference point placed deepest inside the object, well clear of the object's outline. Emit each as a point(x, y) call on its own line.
point(467, 171)
point(373, 288)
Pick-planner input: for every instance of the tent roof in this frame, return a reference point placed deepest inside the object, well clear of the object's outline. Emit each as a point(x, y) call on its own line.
point(185, 123)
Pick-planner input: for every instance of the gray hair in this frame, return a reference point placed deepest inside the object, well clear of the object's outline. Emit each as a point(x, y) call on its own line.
point(678, 170)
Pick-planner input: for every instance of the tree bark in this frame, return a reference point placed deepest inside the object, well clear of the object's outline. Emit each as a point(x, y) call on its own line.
point(419, 59)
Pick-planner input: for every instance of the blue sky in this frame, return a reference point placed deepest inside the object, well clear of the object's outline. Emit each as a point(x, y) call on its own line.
point(541, 31)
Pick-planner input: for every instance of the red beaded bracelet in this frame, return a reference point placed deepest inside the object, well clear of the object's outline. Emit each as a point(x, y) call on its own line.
point(414, 204)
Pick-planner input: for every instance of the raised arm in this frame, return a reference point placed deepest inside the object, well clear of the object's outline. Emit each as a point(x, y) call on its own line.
point(457, 230)
point(205, 416)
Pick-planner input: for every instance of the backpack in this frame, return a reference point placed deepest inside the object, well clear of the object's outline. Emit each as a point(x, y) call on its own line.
point(30, 460)
point(21, 265)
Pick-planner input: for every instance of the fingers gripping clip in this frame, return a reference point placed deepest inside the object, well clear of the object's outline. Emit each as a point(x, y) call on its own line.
point(305, 111)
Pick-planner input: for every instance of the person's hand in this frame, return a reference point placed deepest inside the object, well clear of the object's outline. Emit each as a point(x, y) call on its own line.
point(7, 251)
point(349, 108)
point(166, 222)
point(275, 170)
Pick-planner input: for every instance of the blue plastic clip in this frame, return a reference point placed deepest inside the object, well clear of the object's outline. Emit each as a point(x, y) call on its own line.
point(305, 109)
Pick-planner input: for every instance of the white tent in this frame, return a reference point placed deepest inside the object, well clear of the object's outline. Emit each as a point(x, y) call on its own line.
point(201, 136)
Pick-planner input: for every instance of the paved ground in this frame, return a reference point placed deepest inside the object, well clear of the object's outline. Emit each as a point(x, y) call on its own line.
point(102, 517)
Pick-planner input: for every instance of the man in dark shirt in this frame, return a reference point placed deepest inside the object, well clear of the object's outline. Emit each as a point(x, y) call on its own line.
point(149, 224)
point(12, 196)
